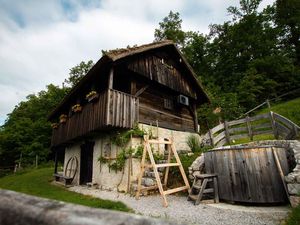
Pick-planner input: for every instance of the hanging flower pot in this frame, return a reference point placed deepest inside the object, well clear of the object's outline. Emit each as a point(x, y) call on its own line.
point(93, 95)
point(76, 108)
point(63, 118)
point(54, 125)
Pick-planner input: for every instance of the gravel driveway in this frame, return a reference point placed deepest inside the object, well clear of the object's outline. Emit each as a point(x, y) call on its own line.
point(183, 211)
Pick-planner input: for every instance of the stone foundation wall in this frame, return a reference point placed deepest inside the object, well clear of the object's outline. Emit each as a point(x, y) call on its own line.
point(105, 178)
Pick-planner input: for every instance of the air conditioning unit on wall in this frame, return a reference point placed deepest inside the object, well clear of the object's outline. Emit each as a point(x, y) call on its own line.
point(183, 100)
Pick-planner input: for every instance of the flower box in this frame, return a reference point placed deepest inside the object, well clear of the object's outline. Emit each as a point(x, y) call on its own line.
point(63, 118)
point(93, 95)
point(76, 108)
point(54, 125)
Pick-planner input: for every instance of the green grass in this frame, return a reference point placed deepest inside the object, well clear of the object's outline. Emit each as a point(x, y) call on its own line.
point(289, 109)
point(294, 217)
point(255, 138)
point(37, 182)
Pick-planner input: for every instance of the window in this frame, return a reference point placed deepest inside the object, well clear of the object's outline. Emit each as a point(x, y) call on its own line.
point(168, 104)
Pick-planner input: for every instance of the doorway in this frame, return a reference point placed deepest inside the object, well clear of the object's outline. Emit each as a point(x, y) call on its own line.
point(86, 162)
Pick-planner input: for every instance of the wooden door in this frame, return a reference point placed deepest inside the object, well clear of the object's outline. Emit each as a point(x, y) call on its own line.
point(86, 162)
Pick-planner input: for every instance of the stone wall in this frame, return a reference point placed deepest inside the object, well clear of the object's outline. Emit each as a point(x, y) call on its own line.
point(179, 137)
point(21, 209)
point(105, 178)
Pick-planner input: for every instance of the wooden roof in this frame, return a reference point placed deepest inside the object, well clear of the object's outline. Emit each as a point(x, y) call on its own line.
point(112, 56)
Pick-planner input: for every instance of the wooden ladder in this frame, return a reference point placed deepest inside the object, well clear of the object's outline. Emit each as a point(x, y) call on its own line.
point(197, 191)
point(154, 166)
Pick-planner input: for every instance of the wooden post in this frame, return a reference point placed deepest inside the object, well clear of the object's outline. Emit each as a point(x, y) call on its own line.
point(55, 162)
point(280, 172)
point(133, 87)
point(227, 135)
point(111, 78)
point(20, 160)
point(249, 127)
point(195, 119)
point(36, 161)
point(273, 125)
point(268, 104)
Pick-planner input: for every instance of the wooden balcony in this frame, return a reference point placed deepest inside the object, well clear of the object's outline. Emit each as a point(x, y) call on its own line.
point(113, 109)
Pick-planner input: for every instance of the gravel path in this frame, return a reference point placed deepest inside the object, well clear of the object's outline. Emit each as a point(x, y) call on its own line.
point(183, 211)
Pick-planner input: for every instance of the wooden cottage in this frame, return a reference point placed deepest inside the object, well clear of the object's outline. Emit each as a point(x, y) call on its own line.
point(151, 86)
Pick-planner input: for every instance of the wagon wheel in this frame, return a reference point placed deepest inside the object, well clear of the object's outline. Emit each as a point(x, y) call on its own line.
point(71, 168)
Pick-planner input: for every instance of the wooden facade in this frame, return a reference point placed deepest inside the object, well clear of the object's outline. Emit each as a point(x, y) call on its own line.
point(139, 85)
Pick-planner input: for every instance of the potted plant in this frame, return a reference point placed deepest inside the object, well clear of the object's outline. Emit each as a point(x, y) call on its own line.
point(91, 96)
point(54, 125)
point(63, 118)
point(76, 108)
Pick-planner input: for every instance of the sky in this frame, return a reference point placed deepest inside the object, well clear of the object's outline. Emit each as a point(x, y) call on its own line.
point(40, 40)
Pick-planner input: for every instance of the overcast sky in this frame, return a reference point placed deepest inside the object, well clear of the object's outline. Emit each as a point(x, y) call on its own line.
point(41, 40)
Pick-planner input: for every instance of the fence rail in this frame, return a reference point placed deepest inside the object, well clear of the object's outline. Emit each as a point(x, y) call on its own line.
point(269, 123)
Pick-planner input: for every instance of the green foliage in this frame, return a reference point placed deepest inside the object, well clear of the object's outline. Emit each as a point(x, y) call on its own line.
point(170, 28)
point(119, 163)
point(193, 143)
point(121, 139)
point(27, 131)
point(293, 217)
point(228, 104)
point(289, 109)
point(102, 159)
point(37, 182)
point(78, 71)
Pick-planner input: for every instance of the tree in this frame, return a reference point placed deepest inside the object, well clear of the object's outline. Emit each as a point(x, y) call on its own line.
point(27, 131)
point(170, 28)
point(78, 71)
point(287, 18)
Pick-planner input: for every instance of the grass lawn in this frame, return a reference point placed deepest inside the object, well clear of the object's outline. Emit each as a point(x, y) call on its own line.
point(289, 109)
point(294, 217)
point(37, 182)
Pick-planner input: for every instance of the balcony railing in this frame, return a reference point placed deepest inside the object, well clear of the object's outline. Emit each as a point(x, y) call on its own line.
point(112, 109)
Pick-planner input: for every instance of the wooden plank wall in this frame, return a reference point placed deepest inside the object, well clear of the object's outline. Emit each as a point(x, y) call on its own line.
point(151, 109)
point(95, 116)
point(154, 68)
point(248, 174)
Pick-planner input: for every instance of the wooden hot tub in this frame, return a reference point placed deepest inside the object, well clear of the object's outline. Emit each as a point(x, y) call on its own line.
point(248, 174)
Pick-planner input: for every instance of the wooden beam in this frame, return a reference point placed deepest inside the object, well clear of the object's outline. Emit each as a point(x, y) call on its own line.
point(111, 78)
point(171, 191)
point(166, 165)
point(139, 92)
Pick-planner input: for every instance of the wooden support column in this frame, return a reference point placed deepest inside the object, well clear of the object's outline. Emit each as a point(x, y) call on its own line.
point(250, 133)
point(111, 78)
point(195, 118)
point(273, 124)
point(133, 87)
point(227, 135)
point(55, 161)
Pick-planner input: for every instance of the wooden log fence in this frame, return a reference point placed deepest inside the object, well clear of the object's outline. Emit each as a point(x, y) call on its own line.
point(269, 123)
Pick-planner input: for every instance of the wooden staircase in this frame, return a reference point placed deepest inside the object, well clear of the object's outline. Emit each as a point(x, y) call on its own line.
point(199, 188)
point(159, 185)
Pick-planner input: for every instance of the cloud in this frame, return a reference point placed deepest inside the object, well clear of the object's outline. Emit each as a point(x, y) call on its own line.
point(41, 40)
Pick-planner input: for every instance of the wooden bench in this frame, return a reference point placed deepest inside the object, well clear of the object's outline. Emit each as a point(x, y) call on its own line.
point(70, 171)
point(67, 180)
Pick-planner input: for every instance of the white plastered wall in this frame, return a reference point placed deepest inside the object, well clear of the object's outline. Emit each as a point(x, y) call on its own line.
point(111, 180)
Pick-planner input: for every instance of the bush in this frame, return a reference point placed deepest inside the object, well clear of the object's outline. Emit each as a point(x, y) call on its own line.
point(193, 143)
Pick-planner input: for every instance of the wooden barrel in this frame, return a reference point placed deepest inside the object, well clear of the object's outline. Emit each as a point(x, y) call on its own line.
point(248, 174)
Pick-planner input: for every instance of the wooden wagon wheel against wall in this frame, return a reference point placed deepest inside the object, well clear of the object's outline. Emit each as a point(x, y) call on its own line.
point(71, 168)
